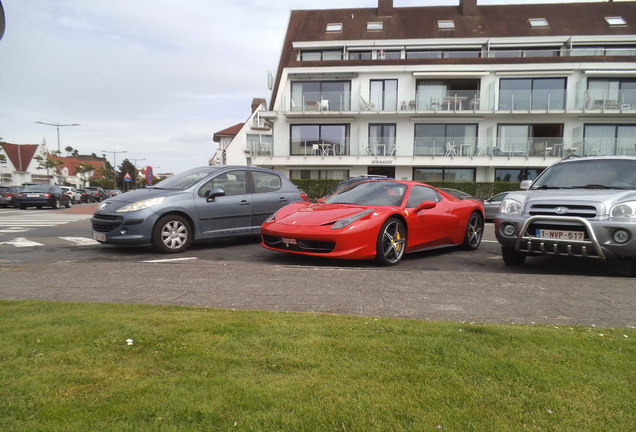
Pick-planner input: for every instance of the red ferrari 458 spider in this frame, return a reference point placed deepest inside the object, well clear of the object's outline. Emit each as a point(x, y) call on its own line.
point(376, 219)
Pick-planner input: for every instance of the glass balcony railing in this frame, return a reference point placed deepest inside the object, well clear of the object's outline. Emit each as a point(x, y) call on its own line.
point(607, 147)
point(320, 147)
point(597, 99)
point(380, 146)
point(318, 101)
point(256, 148)
point(451, 100)
point(529, 147)
point(447, 146)
point(526, 100)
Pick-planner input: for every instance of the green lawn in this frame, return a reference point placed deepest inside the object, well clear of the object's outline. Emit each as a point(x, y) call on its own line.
point(68, 367)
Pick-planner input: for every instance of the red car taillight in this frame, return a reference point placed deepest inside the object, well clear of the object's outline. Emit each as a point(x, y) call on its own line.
point(7, 195)
point(47, 195)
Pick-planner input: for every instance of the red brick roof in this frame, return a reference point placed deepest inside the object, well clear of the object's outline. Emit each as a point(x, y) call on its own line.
point(228, 132)
point(72, 162)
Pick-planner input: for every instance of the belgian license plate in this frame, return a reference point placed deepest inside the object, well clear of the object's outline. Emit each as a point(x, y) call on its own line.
point(99, 236)
point(33, 195)
point(289, 241)
point(560, 235)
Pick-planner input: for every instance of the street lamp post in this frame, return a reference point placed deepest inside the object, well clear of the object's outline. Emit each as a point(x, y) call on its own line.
point(58, 126)
point(115, 162)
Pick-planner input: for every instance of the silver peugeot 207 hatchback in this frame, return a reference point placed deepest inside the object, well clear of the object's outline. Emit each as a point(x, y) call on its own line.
point(202, 203)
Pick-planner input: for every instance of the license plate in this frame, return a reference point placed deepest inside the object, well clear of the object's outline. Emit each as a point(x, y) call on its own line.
point(99, 236)
point(560, 235)
point(33, 195)
point(289, 241)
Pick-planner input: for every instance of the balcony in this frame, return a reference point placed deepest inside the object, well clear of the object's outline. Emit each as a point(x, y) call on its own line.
point(320, 147)
point(380, 146)
point(606, 147)
point(448, 101)
point(606, 100)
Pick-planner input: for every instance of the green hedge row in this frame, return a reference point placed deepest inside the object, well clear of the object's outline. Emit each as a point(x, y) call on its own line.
point(318, 188)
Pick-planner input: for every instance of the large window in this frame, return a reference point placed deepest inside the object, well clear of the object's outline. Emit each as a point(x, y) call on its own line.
point(381, 139)
point(516, 174)
point(321, 95)
point(259, 144)
point(540, 139)
point(445, 139)
point(532, 93)
point(444, 174)
point(609, 140)
point(455, 94)
point(383, 94)
point(323, 139)
point(611, 93)
point(314, 174)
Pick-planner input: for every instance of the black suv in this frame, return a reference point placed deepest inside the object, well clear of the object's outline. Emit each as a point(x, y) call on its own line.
point(96, 193)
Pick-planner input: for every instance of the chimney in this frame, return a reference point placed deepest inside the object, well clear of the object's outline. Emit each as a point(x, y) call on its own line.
point(385, 7)
point(256, 102)
point(468, 7)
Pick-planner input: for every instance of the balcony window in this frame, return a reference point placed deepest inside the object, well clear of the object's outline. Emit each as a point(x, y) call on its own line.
point(321, 95)
point(609, 50)
point(383, 94)
point(439, 139)
point(321, 55)
point(616, 21)
point(538, 22)
point(609, 140)
point(389, 54)
point(259, 144)
point(532, 93)
point(328, 174)
point(447, 94)
point(334, 28)
point(524, 52)
point(437, 54)
point(381, 139)
point(446, 25)
point(537, 140)
point(375, 26)
point(360, 55)
point(319, 140)
point(611, 93)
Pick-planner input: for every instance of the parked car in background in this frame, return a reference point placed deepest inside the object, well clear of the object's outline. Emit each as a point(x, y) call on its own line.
point(460, 194)
point(43, 196)
point(8, 196)
point(112, 192)
point(202, 203)
point(582, 207)
point(76, 197)
point(86, 197)
point(492, 204)
point(97, 193)
point(376, 219)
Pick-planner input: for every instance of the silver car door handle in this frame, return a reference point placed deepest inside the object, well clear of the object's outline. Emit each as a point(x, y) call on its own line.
point(244, 202)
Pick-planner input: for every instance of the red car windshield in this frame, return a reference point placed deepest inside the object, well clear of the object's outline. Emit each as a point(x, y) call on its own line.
point(371, 193)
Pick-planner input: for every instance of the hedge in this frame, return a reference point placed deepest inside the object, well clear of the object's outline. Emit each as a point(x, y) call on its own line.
point(319, 188)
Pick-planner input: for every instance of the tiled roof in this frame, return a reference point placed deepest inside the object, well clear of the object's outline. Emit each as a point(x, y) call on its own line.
point(72, 162)
point(20, 155)
point(228, 132)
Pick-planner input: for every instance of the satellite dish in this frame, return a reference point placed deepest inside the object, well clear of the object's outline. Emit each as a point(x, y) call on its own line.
point(1, 20)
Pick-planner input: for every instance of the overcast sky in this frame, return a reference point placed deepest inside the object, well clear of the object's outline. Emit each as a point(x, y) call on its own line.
point(155, 78)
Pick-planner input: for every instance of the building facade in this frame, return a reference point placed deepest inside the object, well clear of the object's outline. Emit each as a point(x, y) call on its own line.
point(455, 93)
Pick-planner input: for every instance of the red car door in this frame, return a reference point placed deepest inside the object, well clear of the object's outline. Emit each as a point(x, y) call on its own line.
point(430, 227)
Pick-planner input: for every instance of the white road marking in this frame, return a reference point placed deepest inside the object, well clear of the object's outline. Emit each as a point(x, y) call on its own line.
point(81, 241)
point(170, 260)
point(22, 242)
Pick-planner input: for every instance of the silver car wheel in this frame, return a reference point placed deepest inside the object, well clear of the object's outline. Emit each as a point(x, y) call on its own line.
point(174, 235)
point(391, 243)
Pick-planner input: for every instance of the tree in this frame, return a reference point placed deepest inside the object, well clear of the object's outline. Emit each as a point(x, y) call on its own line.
point(85, 169)
point(68, 149)
point(49, 163)
point(125, 167)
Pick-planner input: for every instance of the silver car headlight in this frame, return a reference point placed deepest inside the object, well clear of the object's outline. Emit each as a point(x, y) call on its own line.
point(510, 206)
point(140, 205)
point(351, 219)
point(626, 210)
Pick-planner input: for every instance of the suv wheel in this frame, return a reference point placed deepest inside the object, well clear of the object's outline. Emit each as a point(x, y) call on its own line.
point(511, 257)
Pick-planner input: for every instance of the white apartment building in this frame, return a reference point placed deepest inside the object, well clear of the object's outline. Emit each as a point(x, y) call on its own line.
point(456, 93)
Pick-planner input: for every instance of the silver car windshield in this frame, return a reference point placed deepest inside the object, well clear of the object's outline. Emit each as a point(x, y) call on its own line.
point(185, 179)
point(370, 193)
point(589, 174)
